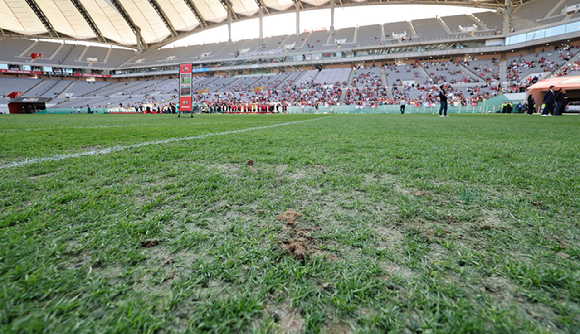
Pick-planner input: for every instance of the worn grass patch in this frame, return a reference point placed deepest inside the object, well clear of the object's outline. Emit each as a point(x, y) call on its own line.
point(345, 224)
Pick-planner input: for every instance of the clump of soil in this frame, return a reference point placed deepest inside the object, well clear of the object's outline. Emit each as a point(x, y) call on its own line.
point(250, 162)
point(419, 193)
point(149, 243)
point(295, 240)
point(289, 216)
point(451, 220)
point(298, 249)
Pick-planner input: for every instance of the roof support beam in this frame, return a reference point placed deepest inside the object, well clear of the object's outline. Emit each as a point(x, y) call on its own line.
point(228, 6)
point(196, 12)
point(261, 4)
point(163, 17)
point(297, 4)
point(332, 5)
point(261, 9)
point(136, 30)
point(507, 16)
point(229, 27)
point(40, 14)
point(261, 21)
point(82, 10)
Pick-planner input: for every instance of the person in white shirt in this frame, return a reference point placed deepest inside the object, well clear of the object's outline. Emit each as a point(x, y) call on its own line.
point(403, 104)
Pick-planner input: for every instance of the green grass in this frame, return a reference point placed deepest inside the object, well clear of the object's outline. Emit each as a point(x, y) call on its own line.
point(411, 224)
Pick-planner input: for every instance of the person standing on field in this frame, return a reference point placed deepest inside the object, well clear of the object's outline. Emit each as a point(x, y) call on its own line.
point(561, 102)
point(549, 101)
point(442, 101)
point(403, 104)
point(531, 105)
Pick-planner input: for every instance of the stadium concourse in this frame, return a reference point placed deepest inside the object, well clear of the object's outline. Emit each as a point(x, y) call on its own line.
point(477, 56)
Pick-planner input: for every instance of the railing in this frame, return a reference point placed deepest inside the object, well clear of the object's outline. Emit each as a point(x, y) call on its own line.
point(387, 109)
point(74, 111)
point(394, 109)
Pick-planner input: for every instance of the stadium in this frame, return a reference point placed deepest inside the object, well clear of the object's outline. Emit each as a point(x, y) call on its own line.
point(311, 187)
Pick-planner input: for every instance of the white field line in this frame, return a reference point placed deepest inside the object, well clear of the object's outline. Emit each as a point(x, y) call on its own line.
point(89, 127)
point(157, 142)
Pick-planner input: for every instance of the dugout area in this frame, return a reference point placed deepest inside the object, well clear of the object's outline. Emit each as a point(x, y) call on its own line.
point(570, 84)
point(27, 105)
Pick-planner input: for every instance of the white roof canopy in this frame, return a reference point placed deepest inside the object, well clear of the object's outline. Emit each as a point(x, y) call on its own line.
point(118, 20)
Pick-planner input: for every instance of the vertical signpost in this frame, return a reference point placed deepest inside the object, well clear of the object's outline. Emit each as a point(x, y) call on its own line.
point(185, 89)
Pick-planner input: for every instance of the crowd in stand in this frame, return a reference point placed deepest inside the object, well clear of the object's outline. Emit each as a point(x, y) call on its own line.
point(569, 69)
point(367, 88)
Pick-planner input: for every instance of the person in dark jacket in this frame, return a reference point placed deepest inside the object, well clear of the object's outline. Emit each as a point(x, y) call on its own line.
point(531, 105)
point(561, 102)
point(549, 101)
point(443, 101)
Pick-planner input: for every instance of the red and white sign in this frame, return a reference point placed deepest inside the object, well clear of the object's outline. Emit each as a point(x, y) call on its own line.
point(91, 75)
point(20, 72)
point(185, 87)
point(474, 104)
point(57, 73)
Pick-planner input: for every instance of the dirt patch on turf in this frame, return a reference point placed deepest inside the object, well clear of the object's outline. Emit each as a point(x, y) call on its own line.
point(296, 238)
point(288, 320)
point(289, 216)
point(400, 271)
point(149, 243)
point(336, 328)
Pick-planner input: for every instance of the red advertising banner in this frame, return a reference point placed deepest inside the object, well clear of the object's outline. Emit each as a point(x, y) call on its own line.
point(20, 72)
point(90, 75)
point(56, 73)
point(185, 87)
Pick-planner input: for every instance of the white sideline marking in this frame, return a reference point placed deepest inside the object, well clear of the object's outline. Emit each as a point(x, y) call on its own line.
point(164, 141)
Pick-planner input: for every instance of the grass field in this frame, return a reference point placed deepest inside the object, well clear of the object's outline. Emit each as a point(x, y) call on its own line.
point(409, 224)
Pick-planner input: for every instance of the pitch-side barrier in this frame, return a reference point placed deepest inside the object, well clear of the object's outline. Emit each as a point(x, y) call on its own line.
point(393, 109)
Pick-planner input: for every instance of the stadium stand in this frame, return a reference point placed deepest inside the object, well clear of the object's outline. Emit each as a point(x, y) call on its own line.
point(397, 28)
point(397, 75)
point(528, 15)
point(317, 40)
point(448, 72)
point(367, 77)
point(296, 41)
point(454, 22)
point(95, 53)
point(346, 34)
point(332, 76)
point(44, 48)
point(369, 35)
point(274, 43)
point(84, 88)
point(307, 78)
point(487, 70)
point(428, 28)
point(9, 85)
point(492, 21)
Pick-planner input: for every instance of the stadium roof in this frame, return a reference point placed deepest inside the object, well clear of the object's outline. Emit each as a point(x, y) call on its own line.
point(119, 21)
